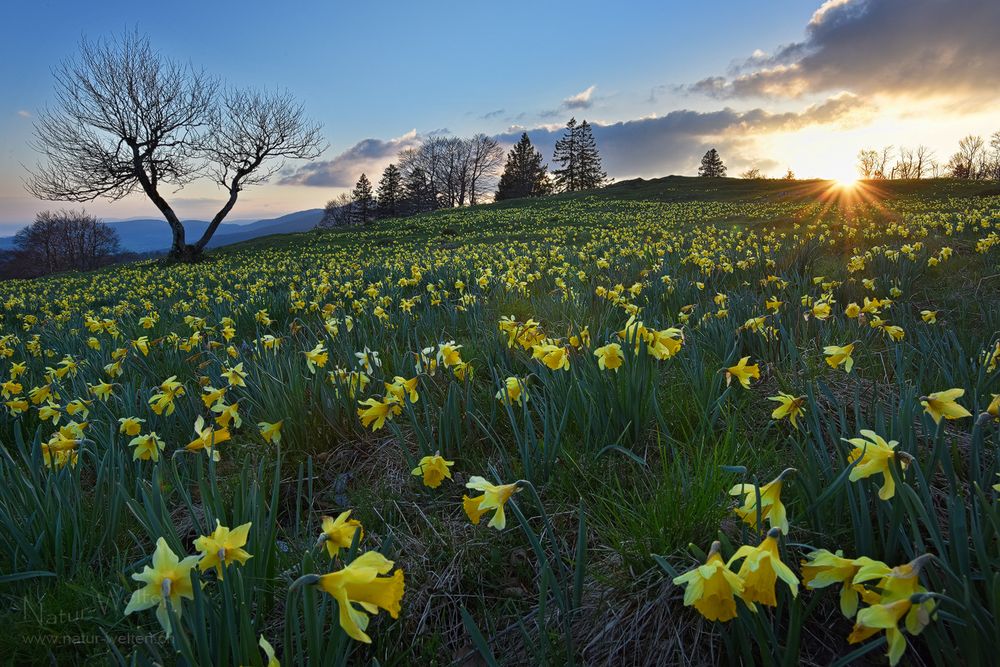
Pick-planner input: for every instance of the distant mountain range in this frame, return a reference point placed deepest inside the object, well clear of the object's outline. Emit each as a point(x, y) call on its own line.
point(153, 234)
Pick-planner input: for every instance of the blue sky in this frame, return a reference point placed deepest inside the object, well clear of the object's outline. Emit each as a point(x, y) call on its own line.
point(378, 71)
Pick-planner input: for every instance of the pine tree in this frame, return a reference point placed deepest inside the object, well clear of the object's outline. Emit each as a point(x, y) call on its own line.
point(364, 203)
point(567, 155)
point(391, 192)
point(524, 175)
point(711, 165)
point(419, 193)
point(590, 173)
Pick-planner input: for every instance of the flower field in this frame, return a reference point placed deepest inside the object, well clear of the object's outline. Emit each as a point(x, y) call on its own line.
point(740, 428)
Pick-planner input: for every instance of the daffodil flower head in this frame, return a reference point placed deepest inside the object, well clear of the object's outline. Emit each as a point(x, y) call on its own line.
point(712, 588)
point(771, 507)
point(901, 597)
point(761, 568)
point(434, 470)
point(743, 372)
point(168, 578)
point(362, 583)
point(494, 497)
point(223, 547)
point(790, 407)
point(874, 455)
point(823, 568)
point(943, 404)
point(339, 533)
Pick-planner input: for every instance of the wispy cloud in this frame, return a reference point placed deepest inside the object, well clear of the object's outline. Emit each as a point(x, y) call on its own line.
point(490, 115)
point(23, 113)
point(582, 100)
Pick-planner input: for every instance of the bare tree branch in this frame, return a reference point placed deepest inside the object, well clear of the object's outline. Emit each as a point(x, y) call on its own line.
point(126, 119)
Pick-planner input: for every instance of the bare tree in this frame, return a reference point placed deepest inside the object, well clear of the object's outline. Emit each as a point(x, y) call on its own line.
point(967, 162)
point(338, 212)
point(752, 174)
point(128, 120)
point(64, 241)
point(882, 163)
point(485, 159)
point(925, 164)
point(458, 171)
point(867, 161)
point(993, 160)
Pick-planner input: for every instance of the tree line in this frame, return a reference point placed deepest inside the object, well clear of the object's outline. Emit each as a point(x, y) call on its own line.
point(449, 172)
point(976, 158)
point(60, 241)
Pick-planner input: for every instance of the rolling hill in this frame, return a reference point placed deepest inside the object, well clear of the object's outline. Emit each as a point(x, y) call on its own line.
point(152, 234)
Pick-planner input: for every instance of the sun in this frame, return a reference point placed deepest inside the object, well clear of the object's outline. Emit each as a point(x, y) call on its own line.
point(846, 183)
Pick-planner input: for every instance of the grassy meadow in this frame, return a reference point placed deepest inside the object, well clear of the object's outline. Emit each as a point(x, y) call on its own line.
point(540, 415)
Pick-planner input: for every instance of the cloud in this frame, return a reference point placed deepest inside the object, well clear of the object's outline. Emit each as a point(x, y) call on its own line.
point(368, 156)
point(490, 115)
point(675, 142)
point(903, 48)
point(581, 100)
point(24, 113)
point(650, 146)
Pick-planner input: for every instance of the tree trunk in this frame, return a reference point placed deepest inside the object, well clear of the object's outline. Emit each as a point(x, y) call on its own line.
point(216, 221)
point(185, 253)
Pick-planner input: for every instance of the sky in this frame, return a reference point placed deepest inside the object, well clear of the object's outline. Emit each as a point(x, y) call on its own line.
point(777, 85)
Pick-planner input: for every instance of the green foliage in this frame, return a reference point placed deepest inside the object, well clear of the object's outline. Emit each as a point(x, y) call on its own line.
point(623, 473)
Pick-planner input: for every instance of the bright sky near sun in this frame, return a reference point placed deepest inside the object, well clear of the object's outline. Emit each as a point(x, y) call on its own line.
point(777, 85)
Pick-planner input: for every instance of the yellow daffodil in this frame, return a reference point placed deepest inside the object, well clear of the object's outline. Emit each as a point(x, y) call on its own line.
point(271, 432)
point(316, 358)
point(771, 507)
point(163, 402)
point(791, 407)
point(207, 438)
point(434, 470)
point(235, 376)
point(339, 533)
point(377, 412)
point(712, 588)
point(743, 372)
point(494, 497)
point(823, 568)
point(899, 599)
point(840, 356)
point(169, 578)
point(361, 583)
point(448, 354)
point(222, 547)
point(514, 391)
point(147, 447)
point(609, 357)
point(402, 389)
point(943, 404)
point(761, 569)
point(876, 455)
point(555, 357)
point(130, 426)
